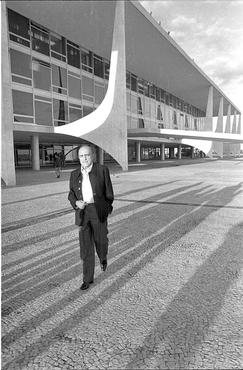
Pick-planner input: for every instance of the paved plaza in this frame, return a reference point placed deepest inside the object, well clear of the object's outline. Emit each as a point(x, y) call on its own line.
point(171, 295)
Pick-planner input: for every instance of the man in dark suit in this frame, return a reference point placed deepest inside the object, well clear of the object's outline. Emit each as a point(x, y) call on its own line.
point(91, 195)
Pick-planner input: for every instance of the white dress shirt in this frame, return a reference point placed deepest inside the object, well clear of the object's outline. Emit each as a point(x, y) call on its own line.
point(86, 185)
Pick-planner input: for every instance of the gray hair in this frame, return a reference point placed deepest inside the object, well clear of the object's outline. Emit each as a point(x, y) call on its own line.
point(92, 149)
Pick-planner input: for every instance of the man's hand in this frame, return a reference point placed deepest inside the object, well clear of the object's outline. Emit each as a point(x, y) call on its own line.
point(80, 204)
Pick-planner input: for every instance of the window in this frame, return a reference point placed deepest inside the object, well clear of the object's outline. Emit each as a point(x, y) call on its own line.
point(170, 100)
point(23, 118)
point(60, 112)
point(152, 91)
point(195, 124)
point(98, 66)
point(162, 95)
point(140, 123)
point(186, 122)
point(87, 60)
point(134, 104)
point(159, 113)
point(128, 101)
point(75, 112)
point(174, 118)
point(21, 66)
point(107, 70)
point(139, 106)
point(18, 25)
point(134, 122)
point(41, 74)
point(128, 80)
point(153, 111)
point(59, 79)
point(58, 46)
point(74, 87)
point(87, 86)
point(173, 101)
point(146, 89)
point(133, 83)
point(140, 86)
point(22, 80)
point(167, 99)
point(158, 94)
point(73, 55)
point(43, 113)
point(40, 40)
point(99, 93)
point(22, 103)
point(87, 110)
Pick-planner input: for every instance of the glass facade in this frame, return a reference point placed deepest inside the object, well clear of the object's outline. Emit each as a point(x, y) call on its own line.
point(41, 74)
point(20, 64)
point(43, 113)
point(69, 82)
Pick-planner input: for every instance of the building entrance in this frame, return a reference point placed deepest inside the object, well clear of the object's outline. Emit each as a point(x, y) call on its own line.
point(23, 154)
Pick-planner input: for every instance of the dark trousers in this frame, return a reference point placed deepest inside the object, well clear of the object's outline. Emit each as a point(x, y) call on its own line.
point(92, 235)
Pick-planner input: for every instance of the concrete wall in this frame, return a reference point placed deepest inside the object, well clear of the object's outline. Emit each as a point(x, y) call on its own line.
point(8, 166)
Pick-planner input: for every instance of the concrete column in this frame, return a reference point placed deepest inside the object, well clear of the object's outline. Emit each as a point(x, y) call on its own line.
point(179, 151)
point(209, 111)
point(192, 153)
point(171, 153)
point(101, 155)
point(162, 152)
point(217, 145)
point(8, 166)
point(228, 120)
point(239, 125)
point(35, 152)
point(233, 131)
point(138, 150)
point(227, 130)
point(219, 127)
point(234, 147)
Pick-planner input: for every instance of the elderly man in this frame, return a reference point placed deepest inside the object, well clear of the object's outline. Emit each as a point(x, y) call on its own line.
point(91, 195)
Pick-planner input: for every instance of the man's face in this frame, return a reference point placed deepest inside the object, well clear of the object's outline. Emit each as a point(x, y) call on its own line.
point(85, 156)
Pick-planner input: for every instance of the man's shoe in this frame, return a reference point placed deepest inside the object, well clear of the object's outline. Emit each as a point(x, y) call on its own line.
point(103, 265)
point(84, 286)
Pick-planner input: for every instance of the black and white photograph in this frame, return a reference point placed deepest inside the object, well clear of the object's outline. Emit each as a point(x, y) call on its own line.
point(121, 184)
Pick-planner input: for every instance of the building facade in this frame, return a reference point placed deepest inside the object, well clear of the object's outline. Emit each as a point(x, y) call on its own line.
point(54, 76)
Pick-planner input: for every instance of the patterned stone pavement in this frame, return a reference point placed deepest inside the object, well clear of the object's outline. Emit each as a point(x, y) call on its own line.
point(171, 296)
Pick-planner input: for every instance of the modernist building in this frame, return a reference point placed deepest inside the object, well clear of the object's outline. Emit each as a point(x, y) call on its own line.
point(104, 72)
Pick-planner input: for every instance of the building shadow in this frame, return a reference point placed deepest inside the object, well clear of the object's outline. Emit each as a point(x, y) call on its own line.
point(185, 323)
point(161, 237)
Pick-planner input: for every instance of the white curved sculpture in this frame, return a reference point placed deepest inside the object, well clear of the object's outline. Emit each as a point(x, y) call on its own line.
point(96, 118)
point(106, 127)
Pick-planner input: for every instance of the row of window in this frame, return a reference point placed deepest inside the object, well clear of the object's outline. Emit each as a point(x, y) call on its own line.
point(47, 111)
point(49, 77)
point(30, 34)
point(41, 40)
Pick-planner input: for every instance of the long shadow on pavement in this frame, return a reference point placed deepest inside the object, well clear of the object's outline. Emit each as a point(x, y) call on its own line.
point(34, 291)
point(188, 317)
point(169, 235)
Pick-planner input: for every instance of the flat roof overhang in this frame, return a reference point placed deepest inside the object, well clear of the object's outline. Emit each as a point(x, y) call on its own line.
point(24, 132)
point(183, 134)
point(150, 52)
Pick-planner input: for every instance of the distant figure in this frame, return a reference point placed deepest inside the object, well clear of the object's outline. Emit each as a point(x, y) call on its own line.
point(62, 158)
point(57, 164)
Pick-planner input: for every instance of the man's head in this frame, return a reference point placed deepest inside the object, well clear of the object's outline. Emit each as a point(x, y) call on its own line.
point(86, 155)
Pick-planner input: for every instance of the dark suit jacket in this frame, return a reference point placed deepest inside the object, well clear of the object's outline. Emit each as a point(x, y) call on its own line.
point(102, 191)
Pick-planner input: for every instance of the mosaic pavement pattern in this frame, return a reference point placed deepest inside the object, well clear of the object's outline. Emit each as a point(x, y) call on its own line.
point(171, 296)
